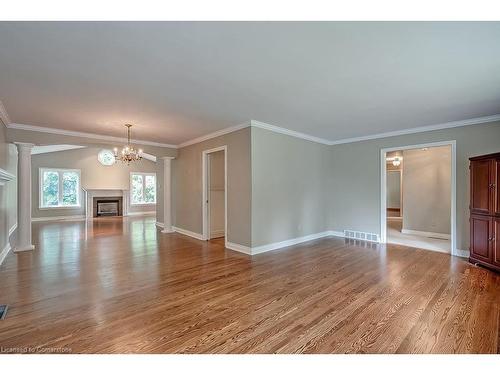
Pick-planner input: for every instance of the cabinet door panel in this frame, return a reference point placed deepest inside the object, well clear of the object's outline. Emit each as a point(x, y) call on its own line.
point(481, 194)
point(480, 238)
point(496, 187)
point(496, 241)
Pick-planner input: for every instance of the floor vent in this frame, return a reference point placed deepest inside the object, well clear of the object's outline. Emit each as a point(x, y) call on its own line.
point(361, 236)
point(3, 311)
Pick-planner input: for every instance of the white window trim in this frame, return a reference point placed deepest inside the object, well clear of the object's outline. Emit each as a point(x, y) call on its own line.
point(60, 171)
point(143, 174)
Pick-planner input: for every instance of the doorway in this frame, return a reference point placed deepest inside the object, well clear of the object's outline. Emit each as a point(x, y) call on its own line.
point(418, 196)
point(215, 193)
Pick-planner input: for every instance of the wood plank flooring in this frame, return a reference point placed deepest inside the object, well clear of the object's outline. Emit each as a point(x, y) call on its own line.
point(120, 286)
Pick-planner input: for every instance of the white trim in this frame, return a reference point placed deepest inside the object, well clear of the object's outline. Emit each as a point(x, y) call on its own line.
point(59, 171)
point(383, 167)
point(4, 116)
point(237, 247)
point(5, 252)
point(278, 245)
point(143, 174)
point(291, 133)
point(141, 213)
point(462, 253)
point(5, 176)
point(186, 232)
point(215, 134)
point(263, 125)
point(442, 236)
point(217, 233)
point(204, 168)
point(59, 218)
point(159, 224)
point(37, 150)
point(420, 129)
point(72, 133)
point(12, 229)
point(293, 241)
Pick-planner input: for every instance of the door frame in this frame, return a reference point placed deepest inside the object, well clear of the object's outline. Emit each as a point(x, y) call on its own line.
point(204, 201)
point(383, 182)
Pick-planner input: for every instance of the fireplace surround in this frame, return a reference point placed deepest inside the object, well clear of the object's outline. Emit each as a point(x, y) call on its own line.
point(107, 206)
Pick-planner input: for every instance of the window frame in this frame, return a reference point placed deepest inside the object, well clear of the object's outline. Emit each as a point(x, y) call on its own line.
point(59, 171)
point(143, 174)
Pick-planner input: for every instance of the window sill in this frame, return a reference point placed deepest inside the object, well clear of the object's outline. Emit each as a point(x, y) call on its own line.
point(60, 207)
point(143, 204)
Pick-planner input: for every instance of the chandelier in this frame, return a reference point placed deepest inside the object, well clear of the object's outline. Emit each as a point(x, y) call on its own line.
point(128, 153)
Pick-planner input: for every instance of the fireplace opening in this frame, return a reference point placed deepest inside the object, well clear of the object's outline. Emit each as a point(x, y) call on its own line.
point(111, 206)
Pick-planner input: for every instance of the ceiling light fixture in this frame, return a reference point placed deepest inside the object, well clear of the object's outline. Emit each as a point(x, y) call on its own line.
point(396, 162)
point(128, 153)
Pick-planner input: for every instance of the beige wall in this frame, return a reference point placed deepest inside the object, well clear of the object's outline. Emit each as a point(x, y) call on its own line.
point(427, 190)
point(187, 186)
point(290, 187)
point(355, 168)
point(94, 175)
point(393, 190)
point(216, 193)
point(8, 192)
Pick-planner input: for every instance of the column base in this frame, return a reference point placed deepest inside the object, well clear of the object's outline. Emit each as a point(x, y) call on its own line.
point(19, 249)
point(167, 231)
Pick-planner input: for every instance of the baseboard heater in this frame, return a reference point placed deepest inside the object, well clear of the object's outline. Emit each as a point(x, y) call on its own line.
point(362, 236)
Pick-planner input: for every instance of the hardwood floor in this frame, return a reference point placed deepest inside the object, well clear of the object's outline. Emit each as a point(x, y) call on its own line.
point(120, 286)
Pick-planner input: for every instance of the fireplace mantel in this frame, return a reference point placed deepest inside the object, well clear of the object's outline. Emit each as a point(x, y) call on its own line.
point(90, 194)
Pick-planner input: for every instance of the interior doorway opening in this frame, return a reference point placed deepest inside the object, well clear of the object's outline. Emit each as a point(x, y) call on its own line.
point(215, 193)
point(418, 196)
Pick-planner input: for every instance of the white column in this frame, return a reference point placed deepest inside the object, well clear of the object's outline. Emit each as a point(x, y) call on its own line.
point(167, 194)
point(23, 240)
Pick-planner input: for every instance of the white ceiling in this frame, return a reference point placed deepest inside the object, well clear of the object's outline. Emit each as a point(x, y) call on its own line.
point(181, 80)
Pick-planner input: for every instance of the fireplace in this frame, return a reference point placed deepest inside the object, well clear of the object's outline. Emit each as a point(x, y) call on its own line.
point(107, 206)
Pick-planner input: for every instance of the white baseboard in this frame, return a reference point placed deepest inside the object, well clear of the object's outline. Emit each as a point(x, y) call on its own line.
point(141, 213)
point(462, 253)
point(442, 236)
point(186, 232)
point(12, 229)
point(4, 253)
point(290, 242)
point(159, 224)
point(217, 233)
point(59, 218)
point(237, 247)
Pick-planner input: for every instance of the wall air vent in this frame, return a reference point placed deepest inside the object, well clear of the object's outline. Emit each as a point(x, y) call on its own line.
point(362, 236)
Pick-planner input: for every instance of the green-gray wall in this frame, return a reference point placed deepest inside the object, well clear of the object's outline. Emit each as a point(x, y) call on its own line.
point(187, 186)
point(355, 175)
point(290, 189)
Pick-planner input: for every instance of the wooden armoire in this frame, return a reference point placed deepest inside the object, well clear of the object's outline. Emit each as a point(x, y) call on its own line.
point(485, 210)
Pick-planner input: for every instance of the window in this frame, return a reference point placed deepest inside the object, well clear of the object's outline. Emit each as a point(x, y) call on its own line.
point(59, 188)
point(142, 188)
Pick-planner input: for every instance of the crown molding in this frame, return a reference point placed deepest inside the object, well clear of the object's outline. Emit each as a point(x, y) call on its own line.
point(5, 176)
point(292, 133)
point(72, 133)
point(215, 134)
point(4, 117)
point(421, 129)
